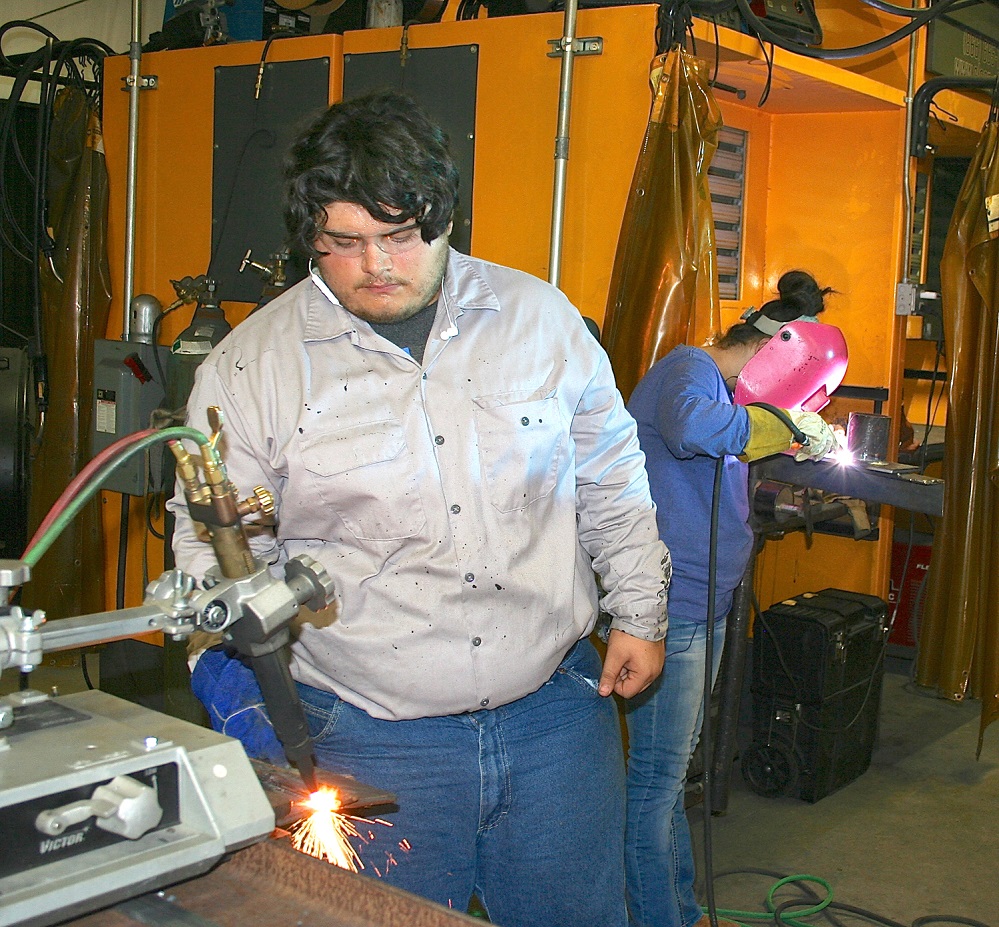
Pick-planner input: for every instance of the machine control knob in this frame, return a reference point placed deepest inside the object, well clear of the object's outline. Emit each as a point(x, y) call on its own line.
point(123, 806)
point(311, 585)
point(266, 499)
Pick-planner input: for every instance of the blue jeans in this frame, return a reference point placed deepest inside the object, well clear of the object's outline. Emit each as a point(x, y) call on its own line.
point(664, 724)
point(521, 805)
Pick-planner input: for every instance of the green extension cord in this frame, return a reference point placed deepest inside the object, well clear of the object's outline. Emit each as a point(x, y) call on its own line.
point(785, 917)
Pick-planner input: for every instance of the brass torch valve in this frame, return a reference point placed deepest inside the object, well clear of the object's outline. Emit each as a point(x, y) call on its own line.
point(265, 606)
point(214, 504)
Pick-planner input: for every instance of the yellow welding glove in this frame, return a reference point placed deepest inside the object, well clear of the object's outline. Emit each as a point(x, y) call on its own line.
point(768, 435)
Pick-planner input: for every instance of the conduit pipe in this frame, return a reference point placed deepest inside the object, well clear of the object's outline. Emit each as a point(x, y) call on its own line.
point(134, 89)
point(909, 205)
point(568, 48)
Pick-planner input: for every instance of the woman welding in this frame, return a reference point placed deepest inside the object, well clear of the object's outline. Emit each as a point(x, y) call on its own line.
point(687, 423)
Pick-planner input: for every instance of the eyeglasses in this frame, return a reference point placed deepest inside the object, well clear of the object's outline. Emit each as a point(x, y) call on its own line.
point(395, 242)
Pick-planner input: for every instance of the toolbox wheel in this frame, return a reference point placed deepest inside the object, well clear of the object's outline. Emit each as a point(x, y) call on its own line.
point(770, 769)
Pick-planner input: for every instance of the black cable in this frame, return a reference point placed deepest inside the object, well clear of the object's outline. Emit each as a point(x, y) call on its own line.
point(930, 408)
point(154, 337)
point(714, 74)
point(706, 726)
point(916, 618)
point(119, 594)
point(907, 11)
point(53, 65)
point(813, 897)
point(947, 919)
point(904, 575)
point(270, 140)
point(17, 62)
point(151, 503)
point(796, 433)
point(759, 26)
point(276, 34)
point(8, 137)
point(86, 671)
point(769, 59)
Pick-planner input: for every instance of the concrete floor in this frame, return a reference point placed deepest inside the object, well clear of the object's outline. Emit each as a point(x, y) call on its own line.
point(914, 836)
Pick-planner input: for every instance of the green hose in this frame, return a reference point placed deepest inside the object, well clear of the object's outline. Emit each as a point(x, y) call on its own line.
point(784, 917)
point(90, 488)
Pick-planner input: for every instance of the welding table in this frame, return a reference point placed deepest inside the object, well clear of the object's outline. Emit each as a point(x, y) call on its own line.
point(272, 885)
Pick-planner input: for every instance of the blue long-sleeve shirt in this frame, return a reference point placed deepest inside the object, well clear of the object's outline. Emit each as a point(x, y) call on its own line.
point(686, 421)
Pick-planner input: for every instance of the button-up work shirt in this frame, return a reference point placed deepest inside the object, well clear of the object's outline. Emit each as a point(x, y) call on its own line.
point(461, 506)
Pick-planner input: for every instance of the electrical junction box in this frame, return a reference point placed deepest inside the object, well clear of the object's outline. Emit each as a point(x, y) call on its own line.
point(127, 388)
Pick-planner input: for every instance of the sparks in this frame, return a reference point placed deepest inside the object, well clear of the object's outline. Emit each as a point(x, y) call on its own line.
point(324, 833)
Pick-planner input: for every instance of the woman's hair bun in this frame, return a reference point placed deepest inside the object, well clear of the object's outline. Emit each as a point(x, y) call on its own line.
point(800, 295)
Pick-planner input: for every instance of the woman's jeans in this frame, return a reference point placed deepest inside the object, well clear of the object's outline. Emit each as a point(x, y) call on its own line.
point(664, 724)
point(521, 805)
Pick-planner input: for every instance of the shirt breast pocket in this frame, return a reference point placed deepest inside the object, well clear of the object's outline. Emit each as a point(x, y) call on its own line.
point(522, 447)
point(366, 475)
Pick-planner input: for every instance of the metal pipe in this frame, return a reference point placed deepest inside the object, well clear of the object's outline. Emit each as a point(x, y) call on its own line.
point(103, 627)
point(919, 147)
point(134, 89)
point(562, 142)
point(909, 208)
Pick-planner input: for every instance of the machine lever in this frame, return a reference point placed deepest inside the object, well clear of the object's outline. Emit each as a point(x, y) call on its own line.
point(123, 806)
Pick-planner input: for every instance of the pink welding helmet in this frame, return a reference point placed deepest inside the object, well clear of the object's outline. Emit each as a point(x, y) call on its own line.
point(796, 369)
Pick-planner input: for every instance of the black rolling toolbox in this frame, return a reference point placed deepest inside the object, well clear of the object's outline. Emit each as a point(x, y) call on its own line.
point(818, 663)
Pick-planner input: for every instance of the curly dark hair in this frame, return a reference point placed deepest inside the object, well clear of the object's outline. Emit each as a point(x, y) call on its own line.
point(380, 151)
point(799, 295)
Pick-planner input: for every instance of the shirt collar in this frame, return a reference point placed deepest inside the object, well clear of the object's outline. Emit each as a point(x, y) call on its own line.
point(466, 289)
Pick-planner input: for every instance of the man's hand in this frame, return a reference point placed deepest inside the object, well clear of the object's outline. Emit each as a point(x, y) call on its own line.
point(631, 664)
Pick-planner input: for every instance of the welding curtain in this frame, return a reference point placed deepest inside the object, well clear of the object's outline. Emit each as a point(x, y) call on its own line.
point(69, 579)
point(664, 286)
point(959, 638)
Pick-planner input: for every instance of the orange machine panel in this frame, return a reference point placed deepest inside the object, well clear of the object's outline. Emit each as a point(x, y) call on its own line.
point(174, 174)
point(516, 124)
point(173, 211)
